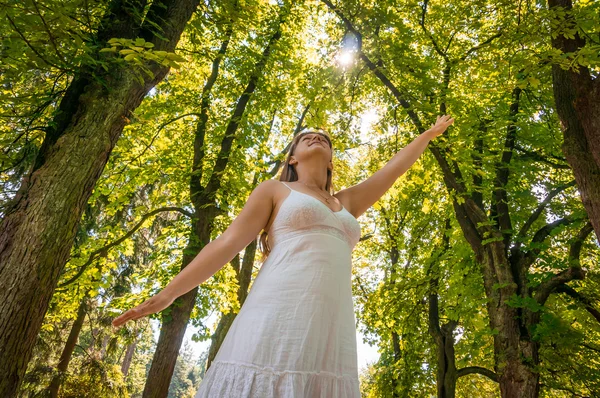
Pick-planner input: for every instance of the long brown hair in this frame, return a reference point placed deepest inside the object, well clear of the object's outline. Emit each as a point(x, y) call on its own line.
point(289, 174)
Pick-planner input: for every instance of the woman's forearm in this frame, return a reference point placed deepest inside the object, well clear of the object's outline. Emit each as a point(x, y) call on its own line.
point(408, 155)
point(209, 260)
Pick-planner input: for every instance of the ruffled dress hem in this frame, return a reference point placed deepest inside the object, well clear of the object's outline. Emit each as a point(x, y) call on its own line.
point(228, 379)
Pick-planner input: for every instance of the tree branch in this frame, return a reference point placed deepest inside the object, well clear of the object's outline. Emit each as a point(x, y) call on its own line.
point(435, 45)
point(575, 249)
point(103, 251)
point(482, 44)
point(536, 156)
point(477, 369)
point(226, 143)
point(299, 127)
point(33, 48)
point(588, 303)
point(500, 206)
point(544, 290)
point(162, 126)
point(538, 211)
point(452, 178)
point(574, 271)
point(527, 258)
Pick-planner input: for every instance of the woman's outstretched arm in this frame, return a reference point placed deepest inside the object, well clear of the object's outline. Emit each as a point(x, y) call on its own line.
point(360, 197)
point(245, 228)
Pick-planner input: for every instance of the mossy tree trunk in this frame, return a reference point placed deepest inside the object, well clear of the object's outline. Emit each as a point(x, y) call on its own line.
point(39, 226)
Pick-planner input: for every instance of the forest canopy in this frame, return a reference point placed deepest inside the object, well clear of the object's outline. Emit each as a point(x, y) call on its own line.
point(133, 133)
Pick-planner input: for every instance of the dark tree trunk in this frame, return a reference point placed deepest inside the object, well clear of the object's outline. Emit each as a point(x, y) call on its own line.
point(397, 357)
point(446, 374)
point(39, 226)
point(65, 357)
point(515, 352)
point(174, 324)
point(577, 98)
point(392, 231)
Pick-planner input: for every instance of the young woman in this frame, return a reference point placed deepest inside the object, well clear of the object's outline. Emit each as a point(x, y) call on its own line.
point(295, 335)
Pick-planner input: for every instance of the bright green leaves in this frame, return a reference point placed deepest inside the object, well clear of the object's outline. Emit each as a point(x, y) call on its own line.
point(138, 52)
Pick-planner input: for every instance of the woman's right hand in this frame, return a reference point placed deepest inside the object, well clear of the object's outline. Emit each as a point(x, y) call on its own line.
point(441, 124)
point(154, 304)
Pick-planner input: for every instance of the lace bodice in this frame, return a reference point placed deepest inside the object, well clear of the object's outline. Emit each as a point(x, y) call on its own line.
point(301, 213)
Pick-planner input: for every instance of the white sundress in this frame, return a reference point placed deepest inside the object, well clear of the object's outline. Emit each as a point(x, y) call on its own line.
point(295, 335)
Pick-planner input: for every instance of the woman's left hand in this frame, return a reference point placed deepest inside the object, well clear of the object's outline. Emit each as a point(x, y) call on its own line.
point(441, 124)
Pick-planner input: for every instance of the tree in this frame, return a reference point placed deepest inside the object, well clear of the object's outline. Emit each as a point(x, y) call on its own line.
point(577, 98)
point(76, 146)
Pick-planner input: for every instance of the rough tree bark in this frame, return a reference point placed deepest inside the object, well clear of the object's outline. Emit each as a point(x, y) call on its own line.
point(203, 200)
point(39, 226)
point(577, 98)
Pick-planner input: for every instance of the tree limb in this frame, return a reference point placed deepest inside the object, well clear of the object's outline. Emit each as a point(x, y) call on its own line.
point(536, 156)
point(299, 127)
point(226, 143)
point(484, 43)
point(575, 249)
point(538, 211)
point(146, 147)
point(477, 369)
point(588, 303)
point(500, 209)
point(452, 178)
point(33, 48)
point(435, 45)
point(103, 251)
point(543, 291)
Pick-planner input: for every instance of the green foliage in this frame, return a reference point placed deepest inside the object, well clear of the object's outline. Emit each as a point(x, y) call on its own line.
point(138, 52)
point(401, 259)
point(96, 379)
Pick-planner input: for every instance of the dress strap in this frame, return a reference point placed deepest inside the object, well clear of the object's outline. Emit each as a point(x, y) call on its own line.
point(286, 185)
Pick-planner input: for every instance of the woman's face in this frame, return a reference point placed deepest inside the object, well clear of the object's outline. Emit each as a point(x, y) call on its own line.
point(313, 141)
point(310, 145)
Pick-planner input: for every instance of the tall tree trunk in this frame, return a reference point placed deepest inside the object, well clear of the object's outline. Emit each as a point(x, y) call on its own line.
point(446, 375)
point(397, 357)
point(243, 273)
point(65, 357)
point(38, 229)
point(577, 98)
point(174, 324)
point(515, 352)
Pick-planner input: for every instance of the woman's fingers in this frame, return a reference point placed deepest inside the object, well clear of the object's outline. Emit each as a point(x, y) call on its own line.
point(441, 124)
point(154, 304)
point(123, 318)
point(445, 119)
point(132, 314)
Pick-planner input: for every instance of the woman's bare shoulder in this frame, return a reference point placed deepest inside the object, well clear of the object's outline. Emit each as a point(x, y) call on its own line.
point(270, 188)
